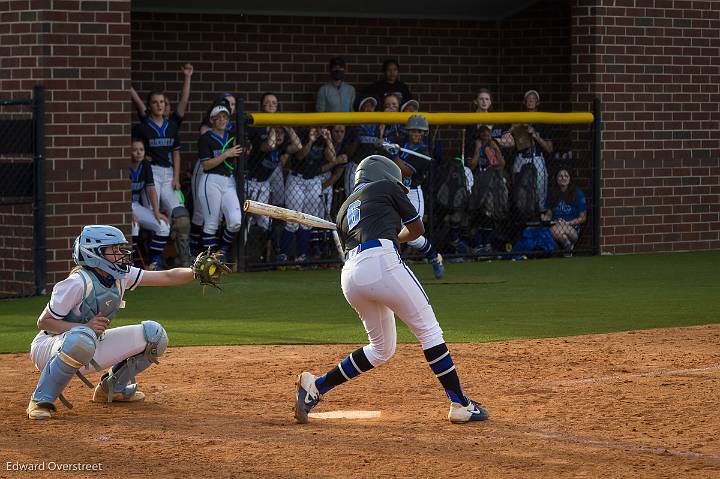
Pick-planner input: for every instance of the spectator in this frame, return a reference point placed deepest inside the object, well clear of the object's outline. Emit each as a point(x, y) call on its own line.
point(482, 104)
point(219, 196)
point(268, 146)
point(146, 207)
point(162, 147)
point(487, 152)
point(390, 85)
point(364, 141)
point(391, 133)
point(567, 207)
point(178, 115)
point(336, 95)
point(228, 101)
point(414, 170)
point(532, 143)
point(304, 188)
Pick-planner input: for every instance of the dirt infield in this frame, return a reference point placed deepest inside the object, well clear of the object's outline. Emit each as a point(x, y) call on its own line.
point(637, 404)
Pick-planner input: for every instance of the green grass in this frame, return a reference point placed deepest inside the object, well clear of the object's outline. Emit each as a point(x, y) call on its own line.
point(476, 302)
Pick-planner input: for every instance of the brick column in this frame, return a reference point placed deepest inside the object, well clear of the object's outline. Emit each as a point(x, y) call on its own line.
point(656, 67)
point(80, 51)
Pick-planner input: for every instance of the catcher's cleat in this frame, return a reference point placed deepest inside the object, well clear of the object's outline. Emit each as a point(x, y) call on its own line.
point(472, 412)
point(101, 395)
point(306, 396)
point(40, 410)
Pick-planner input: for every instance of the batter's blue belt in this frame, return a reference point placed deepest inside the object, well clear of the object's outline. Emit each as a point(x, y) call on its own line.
point(369, 244)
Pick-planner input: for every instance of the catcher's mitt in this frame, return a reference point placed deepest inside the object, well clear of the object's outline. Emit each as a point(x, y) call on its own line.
point(208, 268)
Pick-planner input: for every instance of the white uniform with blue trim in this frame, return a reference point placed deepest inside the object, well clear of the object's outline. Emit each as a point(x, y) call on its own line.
point(67, 298)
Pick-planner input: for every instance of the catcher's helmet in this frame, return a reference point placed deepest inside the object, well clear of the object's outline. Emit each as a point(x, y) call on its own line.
point(376, 168)
point(88, 250)
point(417, 122)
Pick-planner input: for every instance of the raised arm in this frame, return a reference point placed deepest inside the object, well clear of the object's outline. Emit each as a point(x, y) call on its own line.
point(139, 104)
point(187, 70)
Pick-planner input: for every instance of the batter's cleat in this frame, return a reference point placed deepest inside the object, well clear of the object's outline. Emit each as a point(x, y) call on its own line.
point(472, 412)
point(101, 395)
point(306, 396)
point(437, 266)
point(40, 410)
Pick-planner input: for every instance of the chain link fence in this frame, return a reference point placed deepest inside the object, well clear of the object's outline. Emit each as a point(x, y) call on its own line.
point(490, 191)
point(22, 196)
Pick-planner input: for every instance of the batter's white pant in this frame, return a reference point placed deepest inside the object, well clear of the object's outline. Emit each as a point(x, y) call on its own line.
point(146, 219)
point(418, 201)
point(377, 284)
point(218, 197)
point(163, 178)
point(197, 173)
point(258, 191)
point(541, 181)
point(304, 196)
point(277, 187)
point(115, 345)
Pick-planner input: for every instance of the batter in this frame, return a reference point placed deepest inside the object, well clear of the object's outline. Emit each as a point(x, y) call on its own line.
point(372, 222)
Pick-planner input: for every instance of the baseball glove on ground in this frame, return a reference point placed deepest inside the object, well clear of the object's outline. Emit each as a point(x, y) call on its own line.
point(208, 268)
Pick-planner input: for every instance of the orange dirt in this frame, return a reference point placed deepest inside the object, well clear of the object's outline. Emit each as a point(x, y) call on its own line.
point(637, 404)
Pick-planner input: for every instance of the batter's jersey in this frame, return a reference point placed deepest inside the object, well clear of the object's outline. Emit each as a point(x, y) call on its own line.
point(139, 179)
point(160, 140)
point(211, 145)
point(376, 210)
point(418, 166)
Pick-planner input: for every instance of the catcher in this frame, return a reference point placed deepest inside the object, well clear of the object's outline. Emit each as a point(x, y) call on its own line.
point(74, 337)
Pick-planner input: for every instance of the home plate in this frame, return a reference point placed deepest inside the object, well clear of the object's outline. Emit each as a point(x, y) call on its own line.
point(345, 415)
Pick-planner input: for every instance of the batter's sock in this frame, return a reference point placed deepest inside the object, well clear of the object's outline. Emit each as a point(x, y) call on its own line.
point(286, 240)
point(209, 240)
point(440, 361)
point(157, 245)
point(195, 237)
point(347, 369)
point(428, 250)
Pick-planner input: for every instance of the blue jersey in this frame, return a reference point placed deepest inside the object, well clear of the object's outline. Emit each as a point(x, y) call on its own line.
point(211, 145)
point(569, 211)
point(160, 140)
point(139, 179)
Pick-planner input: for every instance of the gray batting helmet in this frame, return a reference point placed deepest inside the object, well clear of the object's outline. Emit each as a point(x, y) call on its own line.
point(417, 122)
point(376, 168)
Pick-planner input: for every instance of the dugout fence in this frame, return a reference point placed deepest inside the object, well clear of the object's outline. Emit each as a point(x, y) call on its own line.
point(22, 196)
point(477, 206)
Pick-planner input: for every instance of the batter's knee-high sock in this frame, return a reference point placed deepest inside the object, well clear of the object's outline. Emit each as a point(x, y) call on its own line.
point(286, 240)
point(195, 237)
point(303, 241)
point(348, 368)
point(440, 361)
point(427, 249)
point(209, 240)
point(157, 245)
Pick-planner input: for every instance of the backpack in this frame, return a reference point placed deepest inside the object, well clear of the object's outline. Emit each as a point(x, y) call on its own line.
point(524, 194)
point(451, 187)
point(489, 195)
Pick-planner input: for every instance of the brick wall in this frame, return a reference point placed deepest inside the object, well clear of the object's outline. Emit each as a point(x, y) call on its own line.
point(656, 66)
point(80, 51)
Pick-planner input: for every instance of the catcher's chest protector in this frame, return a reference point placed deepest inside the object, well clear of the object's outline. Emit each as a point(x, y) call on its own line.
point(97, 299)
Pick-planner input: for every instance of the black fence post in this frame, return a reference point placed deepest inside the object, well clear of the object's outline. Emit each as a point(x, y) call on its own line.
point(596, 175)
point(39, 203)
point(241, 253)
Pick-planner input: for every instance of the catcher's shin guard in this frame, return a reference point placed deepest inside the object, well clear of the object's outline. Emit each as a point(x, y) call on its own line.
point(76, 351)
point(120, 379)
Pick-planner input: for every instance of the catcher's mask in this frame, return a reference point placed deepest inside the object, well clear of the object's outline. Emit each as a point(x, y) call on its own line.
point(89, 250)
point(376, 168)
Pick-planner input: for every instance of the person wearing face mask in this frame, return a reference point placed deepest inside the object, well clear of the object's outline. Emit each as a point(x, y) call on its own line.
point(336, 95)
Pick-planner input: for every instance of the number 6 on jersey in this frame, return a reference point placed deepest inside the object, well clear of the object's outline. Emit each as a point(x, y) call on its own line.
point(353, 214)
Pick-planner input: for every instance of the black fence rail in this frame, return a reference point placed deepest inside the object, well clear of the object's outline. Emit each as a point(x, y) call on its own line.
point(23, 267)
point(490, 191)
